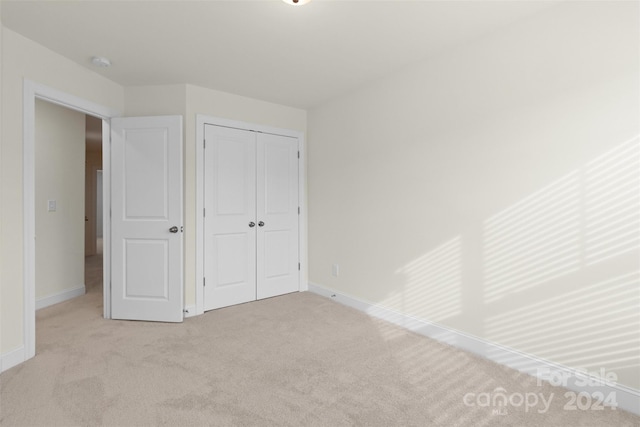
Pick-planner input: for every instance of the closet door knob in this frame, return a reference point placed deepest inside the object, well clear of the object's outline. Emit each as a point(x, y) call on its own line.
point(173, 229)
point(252, 224)
point(261, 224)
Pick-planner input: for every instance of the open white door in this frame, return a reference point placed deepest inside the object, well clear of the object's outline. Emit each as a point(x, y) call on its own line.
point(146, 219)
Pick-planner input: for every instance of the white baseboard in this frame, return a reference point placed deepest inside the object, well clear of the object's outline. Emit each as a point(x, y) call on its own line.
point(11, 359)
point(60, 297)
point(190, 311)
point(627, 398)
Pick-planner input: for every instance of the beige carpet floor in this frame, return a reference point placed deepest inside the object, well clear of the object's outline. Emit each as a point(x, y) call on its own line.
point(294, 360)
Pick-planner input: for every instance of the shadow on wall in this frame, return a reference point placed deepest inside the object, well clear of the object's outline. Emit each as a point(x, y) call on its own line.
point(580, 220)
point(433, 283)
point(564, 241)
point(567, 236)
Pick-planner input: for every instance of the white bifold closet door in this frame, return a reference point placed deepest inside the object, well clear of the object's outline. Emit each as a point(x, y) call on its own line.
point(251, 216)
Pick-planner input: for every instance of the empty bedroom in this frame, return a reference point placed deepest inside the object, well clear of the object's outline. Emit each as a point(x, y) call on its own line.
point(320, 212)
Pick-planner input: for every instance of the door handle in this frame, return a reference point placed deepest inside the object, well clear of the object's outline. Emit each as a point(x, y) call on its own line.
point(261, 224)
point(252, 224)
point(173, 229)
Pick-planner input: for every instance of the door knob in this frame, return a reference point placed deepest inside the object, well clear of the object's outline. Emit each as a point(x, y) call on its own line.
point(252, 224)
point(261, 224)
point(173, 229)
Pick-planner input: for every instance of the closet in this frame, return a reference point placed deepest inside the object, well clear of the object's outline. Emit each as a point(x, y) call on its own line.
point(251, 216)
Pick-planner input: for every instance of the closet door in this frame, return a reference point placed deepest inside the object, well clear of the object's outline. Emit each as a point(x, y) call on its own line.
point(229, 221)
point(277, 215)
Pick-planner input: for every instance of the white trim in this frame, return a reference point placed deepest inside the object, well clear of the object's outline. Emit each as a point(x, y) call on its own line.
point(106, 218)
point(189, 311)
point(302, 220)
point(60, 297)
point(201, 120)
point(31, 91)
point(626, 397)
point(11, 359)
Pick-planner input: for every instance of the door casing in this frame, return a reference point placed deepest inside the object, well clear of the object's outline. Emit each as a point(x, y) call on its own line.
point(31, 92)
point(201, 121)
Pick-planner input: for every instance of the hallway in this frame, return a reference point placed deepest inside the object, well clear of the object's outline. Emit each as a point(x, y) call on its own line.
point(46, 327)
point(93, 266)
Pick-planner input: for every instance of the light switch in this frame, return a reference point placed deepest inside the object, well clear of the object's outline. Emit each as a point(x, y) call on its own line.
point(51, 205)
point(335, 270)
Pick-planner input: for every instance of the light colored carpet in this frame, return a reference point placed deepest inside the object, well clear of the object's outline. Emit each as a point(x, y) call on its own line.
point(294, 360)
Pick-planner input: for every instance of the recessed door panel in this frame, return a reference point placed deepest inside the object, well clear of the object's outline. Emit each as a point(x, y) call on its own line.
point(232, 174)
point(277, 254)
point(231, 260)
point(150, 279)
point(276, 177)
point(146, 174)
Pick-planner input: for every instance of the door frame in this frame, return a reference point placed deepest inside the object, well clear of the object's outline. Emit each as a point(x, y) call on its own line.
point(201, 121)
point(31, 92)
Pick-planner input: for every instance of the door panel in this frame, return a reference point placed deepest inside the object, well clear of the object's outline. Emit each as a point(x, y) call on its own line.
point(277, 208)
point(146, 173)
point(231, 251)
point(230, 204)
point(146, 281)
point(276, 262)
point(146, 162)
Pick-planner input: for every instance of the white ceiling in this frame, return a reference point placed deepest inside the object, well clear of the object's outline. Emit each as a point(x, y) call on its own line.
point(298, 56)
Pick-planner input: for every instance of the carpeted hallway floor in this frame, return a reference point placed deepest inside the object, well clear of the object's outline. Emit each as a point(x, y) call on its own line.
point(294, 360)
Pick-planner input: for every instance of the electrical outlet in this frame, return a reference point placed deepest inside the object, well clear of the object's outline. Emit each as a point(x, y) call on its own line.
point(51, 205)
point(335, 270)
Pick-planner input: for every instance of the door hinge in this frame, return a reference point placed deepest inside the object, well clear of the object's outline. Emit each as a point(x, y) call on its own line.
point(298, 210)
point(298, 266)
point(204, 212)
point(204, 281)
point(298, 154)
point(204, 143)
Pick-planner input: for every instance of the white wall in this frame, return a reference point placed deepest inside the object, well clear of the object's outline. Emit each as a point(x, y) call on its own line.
point(24, 59)
point(188, 101)
point(493, 189)
point(155, 100)
point(60, 167)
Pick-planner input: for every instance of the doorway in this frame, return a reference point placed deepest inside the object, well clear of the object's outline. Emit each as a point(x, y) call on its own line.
point(31, 92)
point(93, 206)
point(68, 249)
point(60, 196)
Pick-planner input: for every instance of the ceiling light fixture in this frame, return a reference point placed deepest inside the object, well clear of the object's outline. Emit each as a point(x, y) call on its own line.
point(296, 2)
point(100, 61)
